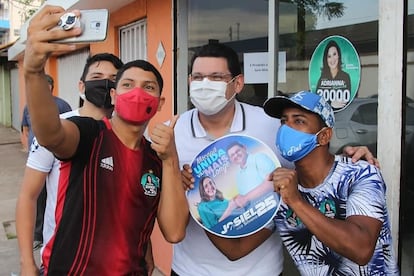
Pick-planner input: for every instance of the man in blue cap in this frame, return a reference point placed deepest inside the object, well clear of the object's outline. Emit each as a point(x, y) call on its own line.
point(333, 219)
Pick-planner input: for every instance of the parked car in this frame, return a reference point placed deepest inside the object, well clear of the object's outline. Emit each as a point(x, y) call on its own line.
point(357, 125)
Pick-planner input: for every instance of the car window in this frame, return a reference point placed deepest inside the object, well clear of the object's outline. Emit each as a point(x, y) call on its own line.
point(366, 114)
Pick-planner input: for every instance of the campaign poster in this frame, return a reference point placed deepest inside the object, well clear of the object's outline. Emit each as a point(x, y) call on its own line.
point(232, 195)
point(335, 71)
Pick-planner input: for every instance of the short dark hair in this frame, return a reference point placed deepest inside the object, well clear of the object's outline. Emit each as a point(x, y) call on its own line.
point(144, 65)
point(233, 144)
point(101, 57)
point(219, 50)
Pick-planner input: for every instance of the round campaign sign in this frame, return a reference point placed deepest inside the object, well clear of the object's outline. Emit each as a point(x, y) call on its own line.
point(335, 71)
point(232, 195)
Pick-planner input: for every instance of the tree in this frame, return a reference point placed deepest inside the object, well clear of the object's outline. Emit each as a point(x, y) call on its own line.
point(326, 8)
point(28, 7)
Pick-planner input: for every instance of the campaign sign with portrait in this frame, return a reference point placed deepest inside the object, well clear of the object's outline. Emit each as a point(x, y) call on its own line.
point(335, 71)
point(233, 196)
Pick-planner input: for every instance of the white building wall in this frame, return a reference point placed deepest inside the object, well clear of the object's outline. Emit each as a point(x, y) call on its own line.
point(70, 68)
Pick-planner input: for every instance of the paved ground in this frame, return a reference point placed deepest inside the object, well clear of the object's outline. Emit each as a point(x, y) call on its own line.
point(12, 163)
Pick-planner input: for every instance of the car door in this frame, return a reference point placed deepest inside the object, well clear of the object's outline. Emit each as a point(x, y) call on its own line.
point(363, 124)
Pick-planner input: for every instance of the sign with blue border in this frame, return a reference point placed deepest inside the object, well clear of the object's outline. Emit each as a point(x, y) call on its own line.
point(233, 195)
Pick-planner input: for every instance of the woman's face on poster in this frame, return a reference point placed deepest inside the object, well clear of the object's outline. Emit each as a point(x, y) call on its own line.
point(209, 188)
point(333, 57)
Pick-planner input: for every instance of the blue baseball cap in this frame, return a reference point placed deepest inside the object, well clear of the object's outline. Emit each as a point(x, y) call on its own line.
point(304, 99)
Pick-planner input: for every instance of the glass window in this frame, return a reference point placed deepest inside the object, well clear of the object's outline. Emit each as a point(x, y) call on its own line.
point(133, 41)
point(354, 21)
point(366, 114)
point(302, 27)
point(243, 25)
point(240, 24)
point(231, 21)
point(333, 50)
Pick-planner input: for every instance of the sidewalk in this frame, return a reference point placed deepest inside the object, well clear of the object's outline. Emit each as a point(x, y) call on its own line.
point(12, 163)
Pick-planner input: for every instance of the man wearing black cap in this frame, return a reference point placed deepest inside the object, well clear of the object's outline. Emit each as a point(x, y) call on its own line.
point(333, 219)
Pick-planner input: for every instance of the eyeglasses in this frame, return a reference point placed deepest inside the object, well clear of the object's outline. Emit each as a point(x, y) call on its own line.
point(212, 77)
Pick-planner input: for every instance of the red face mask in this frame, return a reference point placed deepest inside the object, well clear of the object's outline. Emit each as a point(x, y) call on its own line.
point(136, 106)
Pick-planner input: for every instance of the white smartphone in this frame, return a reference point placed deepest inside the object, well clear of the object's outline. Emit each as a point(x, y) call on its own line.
point(94, 24)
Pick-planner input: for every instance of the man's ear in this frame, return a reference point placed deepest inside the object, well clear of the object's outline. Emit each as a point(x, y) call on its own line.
point(161, 102)
point(189, 84)
point(325, 136)
point(112, 92)
point(239, 83)
point(81, 87)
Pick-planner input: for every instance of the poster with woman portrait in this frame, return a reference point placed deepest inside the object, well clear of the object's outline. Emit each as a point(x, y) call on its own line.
point(335, 71)
point(233, 195)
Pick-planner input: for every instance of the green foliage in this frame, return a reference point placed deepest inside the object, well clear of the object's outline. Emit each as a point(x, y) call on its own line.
point(310, 9)
point(330, 9)
point(29, 7)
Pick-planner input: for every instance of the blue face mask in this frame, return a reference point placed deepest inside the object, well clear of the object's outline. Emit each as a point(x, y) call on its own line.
point(293, 144)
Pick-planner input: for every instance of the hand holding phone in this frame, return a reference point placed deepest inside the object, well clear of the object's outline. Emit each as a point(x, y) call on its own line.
point(94, 25)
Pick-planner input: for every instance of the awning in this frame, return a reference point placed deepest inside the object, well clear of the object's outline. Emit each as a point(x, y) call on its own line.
point(5, 47)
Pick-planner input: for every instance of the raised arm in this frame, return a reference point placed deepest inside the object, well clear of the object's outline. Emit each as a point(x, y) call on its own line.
point(173, 209)
point(60, 137)
point(263, 188)
point(354, 238)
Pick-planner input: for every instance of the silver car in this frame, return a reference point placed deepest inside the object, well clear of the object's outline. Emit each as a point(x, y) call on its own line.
point(357, 125)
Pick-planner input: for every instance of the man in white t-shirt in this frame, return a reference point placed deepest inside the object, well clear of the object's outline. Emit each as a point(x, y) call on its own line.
point(42, 167)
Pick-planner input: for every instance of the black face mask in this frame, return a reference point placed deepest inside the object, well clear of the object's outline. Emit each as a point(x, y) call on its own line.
point(98, 92)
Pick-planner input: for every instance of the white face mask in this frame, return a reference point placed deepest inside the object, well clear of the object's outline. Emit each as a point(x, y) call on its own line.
point(209, 97)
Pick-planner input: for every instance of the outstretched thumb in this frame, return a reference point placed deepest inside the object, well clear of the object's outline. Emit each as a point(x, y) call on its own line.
point(174, 121)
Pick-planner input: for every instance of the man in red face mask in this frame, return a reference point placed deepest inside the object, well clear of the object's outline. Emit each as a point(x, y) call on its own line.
point(106, 208)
